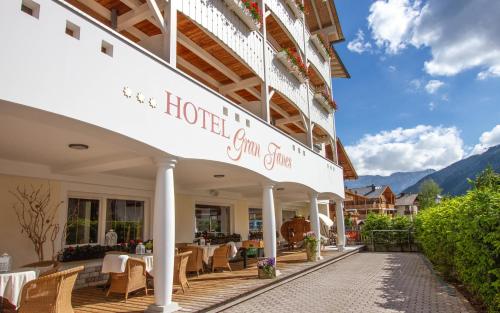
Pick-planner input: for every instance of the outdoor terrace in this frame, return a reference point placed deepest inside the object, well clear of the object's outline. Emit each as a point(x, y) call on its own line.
point(209, 290)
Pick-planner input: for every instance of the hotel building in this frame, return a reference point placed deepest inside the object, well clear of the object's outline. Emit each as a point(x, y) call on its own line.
point(168, 118)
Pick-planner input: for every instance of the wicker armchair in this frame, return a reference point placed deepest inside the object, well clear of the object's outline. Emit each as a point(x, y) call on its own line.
point(195, 263)
point(49, 267)
point(50, 293)
point(221, 257)
point(180, 265)
point(134, 278)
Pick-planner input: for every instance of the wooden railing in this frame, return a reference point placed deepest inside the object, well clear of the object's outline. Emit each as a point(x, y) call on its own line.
point(320, 116)
point(284, 82)
point(369, 206)
point(292, 24)
point(216, 18)
point(322, 65)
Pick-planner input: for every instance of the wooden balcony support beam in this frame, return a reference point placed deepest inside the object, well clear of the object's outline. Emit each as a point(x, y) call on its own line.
point(239, 85)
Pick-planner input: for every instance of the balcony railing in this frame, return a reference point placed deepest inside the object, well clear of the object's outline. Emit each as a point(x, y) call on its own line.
point(320, 116)
point(216, 18)
point(292, 24)
point(319, 62)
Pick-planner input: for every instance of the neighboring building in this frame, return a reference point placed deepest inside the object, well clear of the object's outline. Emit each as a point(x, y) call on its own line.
point(407, 204)
point(167, 119)
point(374, 199)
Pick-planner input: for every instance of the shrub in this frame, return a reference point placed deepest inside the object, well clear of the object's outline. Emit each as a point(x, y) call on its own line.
point(461, 236)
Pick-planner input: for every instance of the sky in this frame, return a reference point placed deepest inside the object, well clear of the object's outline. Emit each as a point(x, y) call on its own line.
point(425, 82)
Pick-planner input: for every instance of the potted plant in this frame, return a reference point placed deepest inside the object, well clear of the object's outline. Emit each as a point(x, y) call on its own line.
point(149, 246)
point(311, 245)
point(323, 96)
point(296, 6)
point(248, 11)
point(294, 64)
point(267, 268)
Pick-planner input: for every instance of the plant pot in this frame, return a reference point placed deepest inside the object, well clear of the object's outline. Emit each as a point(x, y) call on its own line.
point(312, 253)
point(292, 68)
point(237, 7)
point(267, 275)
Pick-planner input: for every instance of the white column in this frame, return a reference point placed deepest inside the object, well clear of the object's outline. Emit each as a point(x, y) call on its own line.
point(314, 218)
point(170, 33)
point(265, 110)
point(278, 215)
point(164, 237)
point(268, 221)
point(339, 212)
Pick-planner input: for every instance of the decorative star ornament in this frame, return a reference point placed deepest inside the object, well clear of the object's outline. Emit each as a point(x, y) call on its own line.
point(152, 102)
point(127, 92)
point(140, 97)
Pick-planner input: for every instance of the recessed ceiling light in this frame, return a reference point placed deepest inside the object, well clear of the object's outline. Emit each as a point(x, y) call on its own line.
point(78, 146)
point(280, 189)
point(219, 175)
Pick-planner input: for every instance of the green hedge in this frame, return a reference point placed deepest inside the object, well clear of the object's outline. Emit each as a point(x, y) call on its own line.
point(461, 237)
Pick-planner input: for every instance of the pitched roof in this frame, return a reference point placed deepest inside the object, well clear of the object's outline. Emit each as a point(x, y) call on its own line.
point(406, 199)
point(370, 192)
point(345, 162)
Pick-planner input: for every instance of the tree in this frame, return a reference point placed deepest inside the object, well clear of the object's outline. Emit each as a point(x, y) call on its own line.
point(429, 190)
point(37, 215)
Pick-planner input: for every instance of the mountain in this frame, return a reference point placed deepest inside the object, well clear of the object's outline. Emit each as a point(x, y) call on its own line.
point(398, 181)
point(453, 179)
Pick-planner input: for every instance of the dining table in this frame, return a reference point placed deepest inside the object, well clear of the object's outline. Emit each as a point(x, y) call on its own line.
point(208, 251)
point(116, 263)
point(12, 282)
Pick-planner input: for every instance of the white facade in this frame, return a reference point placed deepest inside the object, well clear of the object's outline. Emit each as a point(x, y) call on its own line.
point(155, 134)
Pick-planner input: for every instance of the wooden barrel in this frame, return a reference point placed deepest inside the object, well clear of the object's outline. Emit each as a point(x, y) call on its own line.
point(293, 231)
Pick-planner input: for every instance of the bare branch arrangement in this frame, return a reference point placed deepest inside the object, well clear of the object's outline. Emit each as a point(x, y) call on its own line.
point(37, 216)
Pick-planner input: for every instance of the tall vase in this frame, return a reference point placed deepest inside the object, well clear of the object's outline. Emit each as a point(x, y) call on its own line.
point(312, 252)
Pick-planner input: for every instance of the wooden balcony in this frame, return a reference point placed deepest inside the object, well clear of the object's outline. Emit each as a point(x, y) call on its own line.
point(208, 290)
point(369, 206)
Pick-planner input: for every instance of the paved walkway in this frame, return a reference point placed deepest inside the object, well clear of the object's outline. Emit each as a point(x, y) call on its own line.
point(364, 282)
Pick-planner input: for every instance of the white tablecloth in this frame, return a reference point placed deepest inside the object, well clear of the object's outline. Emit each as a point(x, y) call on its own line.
point(116, 263)
point(11, 283)
point(208, 251)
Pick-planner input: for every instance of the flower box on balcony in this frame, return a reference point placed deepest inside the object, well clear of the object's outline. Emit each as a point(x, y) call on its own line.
point(322, 95)
point(248, 11)
point(294, 64)
point(318, 43)
point(296, 7)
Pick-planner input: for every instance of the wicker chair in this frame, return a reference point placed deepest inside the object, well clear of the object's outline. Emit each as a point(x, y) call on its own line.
point(134, 278)
point(221, 257)
point(50, 293)
point(50, 267)
point(180, 265)
point(195, 263)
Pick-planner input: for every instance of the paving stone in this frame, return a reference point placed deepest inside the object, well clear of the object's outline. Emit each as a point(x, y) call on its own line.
point(364, 282)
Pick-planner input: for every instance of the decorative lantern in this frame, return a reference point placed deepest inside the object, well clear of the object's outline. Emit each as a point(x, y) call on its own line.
point(111, 238)
point(140, 249)
point(5, 262)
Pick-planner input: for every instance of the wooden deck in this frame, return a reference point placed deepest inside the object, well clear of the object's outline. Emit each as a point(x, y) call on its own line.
point(206, 291)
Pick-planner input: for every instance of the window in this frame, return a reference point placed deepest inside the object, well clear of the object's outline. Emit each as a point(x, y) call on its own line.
point(255, 220)
point(212, 218)
point(83, 220)
point(126, 218)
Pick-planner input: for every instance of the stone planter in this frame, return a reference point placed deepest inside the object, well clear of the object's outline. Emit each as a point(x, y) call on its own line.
point(318, 96)
point(312, 252)
point(265, 275)
point(294, 7)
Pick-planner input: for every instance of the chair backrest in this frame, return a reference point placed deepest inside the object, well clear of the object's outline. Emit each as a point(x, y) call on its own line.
point(222, 251)
point(50, 291)
point(135, 268)
point(196, 256)
point(116, 252)
point(45, 267)
point(180, 265)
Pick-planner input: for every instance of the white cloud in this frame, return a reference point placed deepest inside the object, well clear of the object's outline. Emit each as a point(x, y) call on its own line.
point(392, 68)
point(410, 149)
point(433, 86)
point(415, 84)
point(488, 139)
point(493, 71)
point(461, 34)
point(359, 45)
point(432, 106)
point(391, 22)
